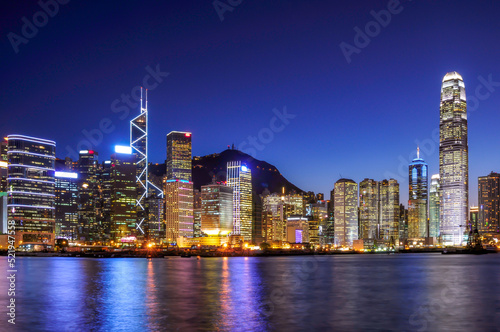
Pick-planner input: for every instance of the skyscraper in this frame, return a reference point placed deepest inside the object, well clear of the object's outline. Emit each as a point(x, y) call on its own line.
point(179, 217)
point(273, 218)
point(89, 229)
point(197, 213)
point(123, 196)
point(489, 203)
point(368, 209)
point(389, 211)
point(216, 209)
point(418, 198)
point(434, 206)
point(179, 214)
point(31, 198)
point(239, 178)
point(346, 212)
point(66, 204)
point(144, 186)
point(379, 210)
point(453, 160)
point(179, 156)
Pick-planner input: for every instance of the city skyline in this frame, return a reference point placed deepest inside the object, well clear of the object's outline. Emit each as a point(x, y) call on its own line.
point(327, 95)
point(232, 165)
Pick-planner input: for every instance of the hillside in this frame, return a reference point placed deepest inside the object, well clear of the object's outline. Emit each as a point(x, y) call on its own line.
point(264, 175)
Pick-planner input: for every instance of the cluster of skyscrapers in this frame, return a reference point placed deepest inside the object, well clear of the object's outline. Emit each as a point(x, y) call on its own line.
point(128, 199)
point(438, 213)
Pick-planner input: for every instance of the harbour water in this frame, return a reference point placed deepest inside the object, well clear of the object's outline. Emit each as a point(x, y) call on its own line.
point(398, 292)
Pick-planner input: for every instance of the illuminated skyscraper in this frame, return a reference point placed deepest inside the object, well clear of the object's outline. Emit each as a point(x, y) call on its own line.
point(179, 156)
point(216, 209)
point(66, 204)
point(239, 178)
point(453, 160)
point(434, 206)
point(368, 209)
point(418, 198)
point(273, 218)
point(318, 224)
point(145, 187)
point(155, 206)
point(197, 213)
point(379, 210)
point(178, 187)
point(346, 212)
point(123, 196)
point(489, 203)
point(31, 197)
point(179, 217)
point(389, 211)
point(89, 229)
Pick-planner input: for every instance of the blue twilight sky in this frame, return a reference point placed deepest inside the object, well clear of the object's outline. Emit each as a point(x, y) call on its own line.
point(355, 120)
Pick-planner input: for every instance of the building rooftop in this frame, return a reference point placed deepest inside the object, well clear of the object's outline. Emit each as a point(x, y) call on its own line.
point(452, 76)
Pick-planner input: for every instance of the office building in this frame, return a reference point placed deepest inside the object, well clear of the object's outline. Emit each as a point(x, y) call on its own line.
point(123, 196)
point(179, 156)
point(178, 188)
point(379, 210)
point(368, 209)
point(66, 205)
point(197, 213)
point(389, 211)
point(89, 227)
point(239, 178)
point(453, 160)
point(489, 203)
point(434, 206)
point(31, 185)
point(216, 209)
point(346, 212)
point(273, 218)
point(297, 229)
point(179, 217)
point(418, 198)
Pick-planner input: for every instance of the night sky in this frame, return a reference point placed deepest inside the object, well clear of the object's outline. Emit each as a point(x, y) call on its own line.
point(355, 120)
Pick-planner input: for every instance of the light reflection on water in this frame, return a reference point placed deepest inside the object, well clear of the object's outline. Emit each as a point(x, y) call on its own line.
point(421, 292)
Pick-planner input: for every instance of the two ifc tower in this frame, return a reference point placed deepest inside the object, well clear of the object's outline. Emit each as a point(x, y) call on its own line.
point(452, 184)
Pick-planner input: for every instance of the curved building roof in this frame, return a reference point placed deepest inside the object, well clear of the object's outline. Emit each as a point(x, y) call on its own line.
point(452, 76)
point(345, 180)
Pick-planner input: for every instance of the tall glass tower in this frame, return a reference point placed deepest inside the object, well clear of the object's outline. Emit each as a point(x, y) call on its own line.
point(31, 184)
point(453, 160)
point(346, 212)
point(368, 209)
point(239, 178)
point(179, 156)
point(418, 198)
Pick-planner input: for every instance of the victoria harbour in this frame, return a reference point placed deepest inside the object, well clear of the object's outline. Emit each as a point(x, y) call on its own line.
point(398, 292)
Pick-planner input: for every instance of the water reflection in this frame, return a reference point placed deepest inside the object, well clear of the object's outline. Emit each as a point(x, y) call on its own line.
point(376, 292)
